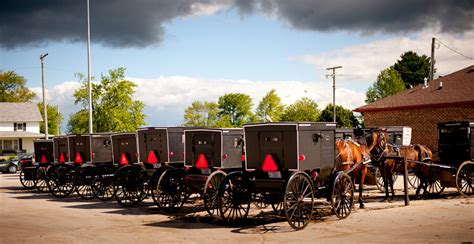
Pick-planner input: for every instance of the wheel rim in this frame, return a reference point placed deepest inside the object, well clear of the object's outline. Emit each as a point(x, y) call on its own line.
point(234, 197)
point(12, 169)
point(299, 201)
point(464, 178)
point(83, 182)
point(379, 180)
point(41, 179)
point(63, 181)
point(435, 187)
point(27, 184)
point(171, 191)
point(102, 184)
point(211, 187)
point(342, 198)
point(414, 181)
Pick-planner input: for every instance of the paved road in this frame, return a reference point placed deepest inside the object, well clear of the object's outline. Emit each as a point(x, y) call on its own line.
point(30, 216)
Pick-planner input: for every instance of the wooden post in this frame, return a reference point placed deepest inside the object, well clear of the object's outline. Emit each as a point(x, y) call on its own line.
point(405, 178)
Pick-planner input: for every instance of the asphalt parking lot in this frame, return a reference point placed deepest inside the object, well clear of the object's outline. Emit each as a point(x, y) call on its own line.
point(29, 216)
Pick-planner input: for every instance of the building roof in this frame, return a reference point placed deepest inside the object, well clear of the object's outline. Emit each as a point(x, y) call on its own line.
point(457, 90)
point(20, 134)
point(19, 112)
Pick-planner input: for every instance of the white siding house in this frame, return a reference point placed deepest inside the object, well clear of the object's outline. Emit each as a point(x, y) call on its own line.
point(19, 127)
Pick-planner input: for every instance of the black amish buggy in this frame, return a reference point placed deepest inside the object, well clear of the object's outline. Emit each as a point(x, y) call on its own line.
point(456, 155)
point(284, 164)
point(35, 176)
point(78, 163)
point(158, 149)
point(210, 154)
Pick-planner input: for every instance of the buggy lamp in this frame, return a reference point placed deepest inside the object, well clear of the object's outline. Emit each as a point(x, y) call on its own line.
point(171, 154)
point(314, 174)
point(301, 157)
point(225, 156)
point(93, 155)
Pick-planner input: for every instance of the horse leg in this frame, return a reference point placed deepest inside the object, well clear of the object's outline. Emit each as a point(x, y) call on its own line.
point(390, 179)
point(363, 173)
point(385, 182)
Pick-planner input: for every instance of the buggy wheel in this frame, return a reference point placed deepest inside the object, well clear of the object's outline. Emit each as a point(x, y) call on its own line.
point(41, 179)
point(62, 181)
point(434, 188)
point(464, 178)
point(259, 201)
point(83, 180)
point(379, 179)
point(171, 190)
point(25, 180)
point(154, 183)
point(102, 184)
point(234, 197)
point(129, 186)
point(211, 187)
point(414, 181)
point(298, 201)
point(342, 197)
point(278, 208)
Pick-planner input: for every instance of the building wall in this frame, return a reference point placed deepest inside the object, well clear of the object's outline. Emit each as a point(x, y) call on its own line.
point(422, 121)
point(28, 145)
point(30, 126)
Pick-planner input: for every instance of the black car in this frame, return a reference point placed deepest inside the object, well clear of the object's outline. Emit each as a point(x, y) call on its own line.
point(15, 164)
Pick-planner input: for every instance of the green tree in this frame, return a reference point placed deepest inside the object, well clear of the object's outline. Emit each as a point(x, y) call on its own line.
point(270, 106)
point(303, 110)
point(114, 110)
point(413, 68)
point(202, 114)
point(13, 89)
point(236, 107)
point(55, 119)
point(388, 83)
point(345, 118)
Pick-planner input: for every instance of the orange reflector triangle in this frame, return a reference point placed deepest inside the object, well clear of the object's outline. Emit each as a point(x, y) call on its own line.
point(62, 159)
point(269, 164)
point(123, 159)
point(43, 159)
point(152, 159)
point(78, 158)
point(201, 162)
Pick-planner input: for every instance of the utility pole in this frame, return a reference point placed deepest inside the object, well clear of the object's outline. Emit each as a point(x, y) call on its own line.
point(45, 111)
point(433, 40)
point(333, 75)
point(89, 67)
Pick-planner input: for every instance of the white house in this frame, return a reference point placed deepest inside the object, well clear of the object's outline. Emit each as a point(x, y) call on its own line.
point(19, 127)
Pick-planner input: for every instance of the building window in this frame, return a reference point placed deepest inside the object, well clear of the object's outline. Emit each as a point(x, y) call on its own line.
point(19, 126)
point(10, 145)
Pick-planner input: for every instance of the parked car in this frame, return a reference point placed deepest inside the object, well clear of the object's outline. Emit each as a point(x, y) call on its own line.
point(17, 163)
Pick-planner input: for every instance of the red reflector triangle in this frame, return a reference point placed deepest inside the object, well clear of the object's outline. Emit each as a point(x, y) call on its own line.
point(43, 159)
point(78, 158)
point(152, 159)
point(269, 164)
point(123, 159)
point(201, 162)
point(62, 159)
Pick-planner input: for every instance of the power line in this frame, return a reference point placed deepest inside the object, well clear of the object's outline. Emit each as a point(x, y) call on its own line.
point(454, 50)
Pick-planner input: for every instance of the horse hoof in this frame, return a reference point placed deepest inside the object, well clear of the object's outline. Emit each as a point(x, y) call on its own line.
point(361, 206)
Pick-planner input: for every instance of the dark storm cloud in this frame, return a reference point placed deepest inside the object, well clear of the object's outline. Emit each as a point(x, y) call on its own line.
point(118, 23)
point(139, 23)
point(371, 15)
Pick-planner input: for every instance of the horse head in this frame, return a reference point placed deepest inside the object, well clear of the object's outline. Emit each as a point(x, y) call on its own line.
point(377, 140)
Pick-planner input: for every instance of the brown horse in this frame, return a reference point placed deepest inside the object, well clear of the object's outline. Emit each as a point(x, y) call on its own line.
point(413, 153)
point(356, 156)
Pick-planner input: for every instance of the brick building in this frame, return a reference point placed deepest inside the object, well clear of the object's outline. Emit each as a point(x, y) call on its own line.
point(447, 98)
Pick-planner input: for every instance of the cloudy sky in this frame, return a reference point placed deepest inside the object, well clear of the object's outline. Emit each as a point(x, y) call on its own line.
point(179, 51)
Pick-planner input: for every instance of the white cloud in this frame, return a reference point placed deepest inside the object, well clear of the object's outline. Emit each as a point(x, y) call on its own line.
point(169, 96)
point(363, 62)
